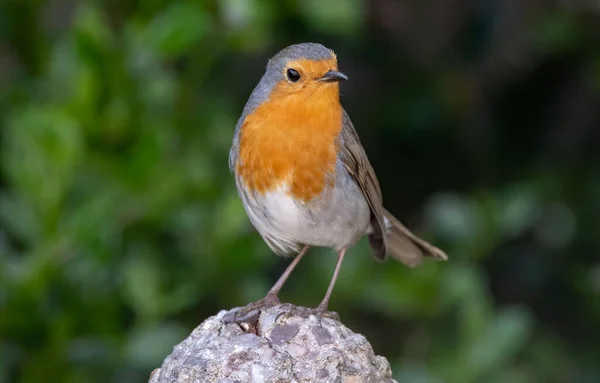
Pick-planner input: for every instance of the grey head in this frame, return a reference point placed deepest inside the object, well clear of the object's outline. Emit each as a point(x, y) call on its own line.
point(274, 72)
point(310, 51)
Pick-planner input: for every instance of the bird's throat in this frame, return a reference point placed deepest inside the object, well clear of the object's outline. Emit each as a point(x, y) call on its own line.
point(292, 140)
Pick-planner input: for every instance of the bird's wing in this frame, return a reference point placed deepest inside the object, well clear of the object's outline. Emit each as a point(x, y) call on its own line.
point(357, 164)
point(389, 236)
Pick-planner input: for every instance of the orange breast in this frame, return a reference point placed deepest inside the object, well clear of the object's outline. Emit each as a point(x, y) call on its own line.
point(292, 137)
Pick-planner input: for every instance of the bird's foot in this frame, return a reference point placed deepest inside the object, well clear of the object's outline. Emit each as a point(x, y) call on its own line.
point(249, 314)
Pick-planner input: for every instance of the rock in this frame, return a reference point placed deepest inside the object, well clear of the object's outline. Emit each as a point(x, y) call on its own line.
point(281, 347)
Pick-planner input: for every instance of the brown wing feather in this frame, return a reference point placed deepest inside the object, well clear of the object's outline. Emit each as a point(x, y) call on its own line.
point(356, 162)
point(394, 239)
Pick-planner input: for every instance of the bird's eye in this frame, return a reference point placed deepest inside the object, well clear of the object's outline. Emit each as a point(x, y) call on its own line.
point(293, 75)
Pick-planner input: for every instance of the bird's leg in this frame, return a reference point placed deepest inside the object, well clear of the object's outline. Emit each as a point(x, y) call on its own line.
point(273, 294)
point(322, 307)
point(250, 312)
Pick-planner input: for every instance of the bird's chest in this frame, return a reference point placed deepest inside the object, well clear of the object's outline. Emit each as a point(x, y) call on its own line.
point(292, 154)
point(301, 175)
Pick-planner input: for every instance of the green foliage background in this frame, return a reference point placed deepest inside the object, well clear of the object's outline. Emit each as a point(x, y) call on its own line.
point(120, 226)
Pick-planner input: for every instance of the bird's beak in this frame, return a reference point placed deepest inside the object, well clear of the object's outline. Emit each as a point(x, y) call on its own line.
point(333, 76)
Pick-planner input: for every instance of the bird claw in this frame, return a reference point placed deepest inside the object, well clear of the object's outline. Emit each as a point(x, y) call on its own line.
point(247, 317)
point(249, 314)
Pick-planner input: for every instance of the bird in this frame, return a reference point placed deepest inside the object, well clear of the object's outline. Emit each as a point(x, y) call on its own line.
point(302, 174)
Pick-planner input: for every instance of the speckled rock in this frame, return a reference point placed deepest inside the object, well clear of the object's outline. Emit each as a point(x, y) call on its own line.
point(283, 347)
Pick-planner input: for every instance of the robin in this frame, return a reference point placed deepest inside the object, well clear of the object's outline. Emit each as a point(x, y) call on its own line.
point(302, 173)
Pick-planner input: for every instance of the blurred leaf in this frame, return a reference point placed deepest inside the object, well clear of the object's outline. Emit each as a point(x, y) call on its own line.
point(249, 23)
point(557, 225)
point(42, 151)
point(407, 372)
point(147, 346)
point(337, 16)
point(246, 15)
point(518, 208)
point(463, 286)
point(177, 29)
point(184, 296)
point(19, 218)
point(89, 351)
point(71, 80)
point(91, 25)
point(141, 283)
point(455, 217)
point(555, 31)
point(506, 335)
point(230, 218)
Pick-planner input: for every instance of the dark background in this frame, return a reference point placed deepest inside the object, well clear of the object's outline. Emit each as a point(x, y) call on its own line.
point(121, 229)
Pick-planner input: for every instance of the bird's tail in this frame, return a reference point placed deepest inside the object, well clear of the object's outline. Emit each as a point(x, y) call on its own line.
point(406, 247)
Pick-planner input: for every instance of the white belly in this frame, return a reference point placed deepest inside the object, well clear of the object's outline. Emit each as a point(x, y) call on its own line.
point(337, 219)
